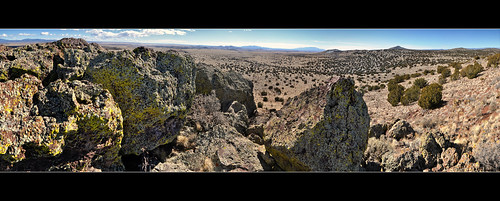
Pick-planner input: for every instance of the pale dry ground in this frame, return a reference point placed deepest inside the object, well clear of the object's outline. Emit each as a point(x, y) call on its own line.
point(290, 83)
point(467, 101)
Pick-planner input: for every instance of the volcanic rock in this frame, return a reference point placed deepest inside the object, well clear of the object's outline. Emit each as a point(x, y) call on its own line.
point(323, 129)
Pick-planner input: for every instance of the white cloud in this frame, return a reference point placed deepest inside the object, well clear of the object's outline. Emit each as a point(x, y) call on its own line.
point(102, 34)
point(25, 34)
point(3, 35)
point(44, 33)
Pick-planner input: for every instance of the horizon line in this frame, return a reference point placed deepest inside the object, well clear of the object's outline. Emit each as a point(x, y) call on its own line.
point(241, 46)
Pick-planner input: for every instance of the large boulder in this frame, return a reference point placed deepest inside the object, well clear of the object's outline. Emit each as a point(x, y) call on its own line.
point(229, 86)
point(323, 129)
point(68, 125)
point(153, 89)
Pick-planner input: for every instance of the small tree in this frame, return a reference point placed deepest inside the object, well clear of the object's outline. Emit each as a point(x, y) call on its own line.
point(431, 96)
point(394, 96)
point(420, 83)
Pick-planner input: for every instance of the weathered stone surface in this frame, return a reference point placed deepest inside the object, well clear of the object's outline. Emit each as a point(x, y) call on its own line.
point(219, 147)
point(400, 129)
point(228, 86)
point(91, 123)
point(323, 129)
point(71, 125)
point(153, 89)
point(17, 126)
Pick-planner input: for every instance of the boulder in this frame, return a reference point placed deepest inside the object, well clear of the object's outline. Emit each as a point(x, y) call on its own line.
point(400, 129)
point(73, 126)
point(229, 86)
point(323, 129)
point(153, 89)
point(377, 130)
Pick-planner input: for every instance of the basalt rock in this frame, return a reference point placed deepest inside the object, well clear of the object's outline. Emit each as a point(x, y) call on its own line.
point(153, 89)
point(228, 86)
point(69, 125)
point(323, 129)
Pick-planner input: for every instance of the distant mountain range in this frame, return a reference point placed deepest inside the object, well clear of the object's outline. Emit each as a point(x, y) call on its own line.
point(27, 40)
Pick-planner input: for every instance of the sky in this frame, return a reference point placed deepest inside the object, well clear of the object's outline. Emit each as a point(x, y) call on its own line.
point(343, 39)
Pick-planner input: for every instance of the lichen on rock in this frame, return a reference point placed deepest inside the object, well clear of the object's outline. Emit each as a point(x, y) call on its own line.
point(153, 89)
point(323, 129)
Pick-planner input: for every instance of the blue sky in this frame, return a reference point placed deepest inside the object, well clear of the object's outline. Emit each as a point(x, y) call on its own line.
point(344, 39)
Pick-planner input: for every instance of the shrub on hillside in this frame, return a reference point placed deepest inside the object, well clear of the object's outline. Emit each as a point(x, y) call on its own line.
point(410, 95)
point(471, 71)
point(488, 155)
point(431, 96)
point(420, 82)
point(494, 60)
point(456, 74)
point(394, 96)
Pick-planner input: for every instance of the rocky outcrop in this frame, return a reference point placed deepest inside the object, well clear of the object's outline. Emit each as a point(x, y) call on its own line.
point(323, 129)
point(72, 105)
point(70, 125)
point(218, 146)
point(154, 91)
point(229, 86)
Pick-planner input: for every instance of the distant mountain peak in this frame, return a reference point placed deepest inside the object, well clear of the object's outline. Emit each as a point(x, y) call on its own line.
point(397, 48)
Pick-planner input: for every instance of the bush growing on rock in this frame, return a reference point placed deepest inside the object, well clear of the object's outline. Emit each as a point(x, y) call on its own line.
point(431, 96)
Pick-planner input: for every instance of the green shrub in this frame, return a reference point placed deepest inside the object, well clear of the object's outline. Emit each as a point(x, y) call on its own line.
point(265, 99)
point(260, 104)
point(263, 93)
point(442, 80)
point(456, 65)
point(494, 60)
point(440, 69)
point(395, 95)
point(410, 95)
point(420, 82)
point(456, 74)
point(431, 96)
point(471, 71)
point(446, 72)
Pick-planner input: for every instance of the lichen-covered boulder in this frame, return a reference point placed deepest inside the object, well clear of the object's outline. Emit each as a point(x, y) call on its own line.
point(90, 122)
point(323, 129)
point(18, 127)
point(68, 125)
point(153, 89)
point(228, 86)
point(66, 59)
